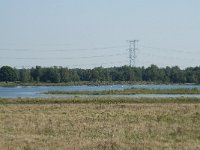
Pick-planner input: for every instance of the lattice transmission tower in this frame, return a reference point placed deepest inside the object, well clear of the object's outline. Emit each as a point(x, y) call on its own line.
point(132, 52)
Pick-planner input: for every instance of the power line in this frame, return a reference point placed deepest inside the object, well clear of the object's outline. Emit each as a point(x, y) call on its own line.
point(133, 47)
point(167, 57)
point(64, 50)
point(99, 64)
point(168, 49)
point(76, 65)
point(94, 48)
point(100, 48)
point(44, 58)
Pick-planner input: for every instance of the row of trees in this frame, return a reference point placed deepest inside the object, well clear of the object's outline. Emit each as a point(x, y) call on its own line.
point(124, 73)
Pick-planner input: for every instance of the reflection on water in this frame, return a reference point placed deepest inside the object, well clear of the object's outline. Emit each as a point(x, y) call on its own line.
point(35, 91)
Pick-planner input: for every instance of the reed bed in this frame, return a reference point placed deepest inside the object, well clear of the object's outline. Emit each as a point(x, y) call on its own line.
point(99, 123)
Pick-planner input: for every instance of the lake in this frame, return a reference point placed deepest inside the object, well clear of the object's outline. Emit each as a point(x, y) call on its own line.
point(36, 91)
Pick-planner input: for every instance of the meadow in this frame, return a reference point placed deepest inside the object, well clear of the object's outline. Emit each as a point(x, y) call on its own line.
point(131, 91)
point(99, 123)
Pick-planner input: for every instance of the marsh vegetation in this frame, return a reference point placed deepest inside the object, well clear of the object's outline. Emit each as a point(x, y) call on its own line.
point(129, 92)
point(100, 123)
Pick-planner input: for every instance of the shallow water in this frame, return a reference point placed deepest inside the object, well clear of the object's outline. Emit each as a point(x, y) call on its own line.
point(35, 91)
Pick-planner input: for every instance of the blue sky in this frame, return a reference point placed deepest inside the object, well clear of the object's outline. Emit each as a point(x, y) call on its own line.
point(91, 33)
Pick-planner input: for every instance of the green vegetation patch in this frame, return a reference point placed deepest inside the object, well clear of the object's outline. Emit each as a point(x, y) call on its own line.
point(100, 75)
point(129, 92)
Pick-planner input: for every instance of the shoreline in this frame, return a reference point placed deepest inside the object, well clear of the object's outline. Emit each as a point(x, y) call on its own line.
point(131, 91)
point(15, 84)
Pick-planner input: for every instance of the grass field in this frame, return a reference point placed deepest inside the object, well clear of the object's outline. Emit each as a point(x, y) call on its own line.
point(99, 123)
point(130, 91)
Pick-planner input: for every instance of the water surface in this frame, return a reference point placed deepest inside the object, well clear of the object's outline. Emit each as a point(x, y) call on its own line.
point(35, 91)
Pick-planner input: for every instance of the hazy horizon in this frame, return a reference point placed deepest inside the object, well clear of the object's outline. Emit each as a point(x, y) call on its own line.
point(88, 34)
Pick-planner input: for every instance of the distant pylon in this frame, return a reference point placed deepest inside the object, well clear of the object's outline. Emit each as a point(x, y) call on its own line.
point(132, 53)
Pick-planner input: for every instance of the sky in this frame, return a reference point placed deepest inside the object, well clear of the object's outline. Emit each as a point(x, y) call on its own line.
point(93, 33)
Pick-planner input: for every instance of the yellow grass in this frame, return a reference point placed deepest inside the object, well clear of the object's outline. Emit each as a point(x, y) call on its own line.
point(100, 126)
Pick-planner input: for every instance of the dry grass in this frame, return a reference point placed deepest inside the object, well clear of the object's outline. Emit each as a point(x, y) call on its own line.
point(100, 126)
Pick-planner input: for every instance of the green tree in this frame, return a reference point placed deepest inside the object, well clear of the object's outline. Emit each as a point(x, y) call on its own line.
point(74, 75)
point(51, 75)
point(7, 74)
point(64, 75)
point(152, 73)
point(36, 73)
point(24, 75)
point(127, 73)
point(95, 75)
point(177, 75)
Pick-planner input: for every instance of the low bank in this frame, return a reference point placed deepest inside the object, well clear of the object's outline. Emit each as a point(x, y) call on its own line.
point(131, 91)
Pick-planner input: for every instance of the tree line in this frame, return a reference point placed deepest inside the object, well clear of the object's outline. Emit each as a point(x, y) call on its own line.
point(100, 74)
